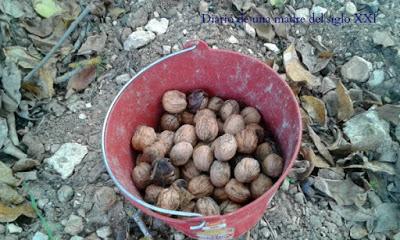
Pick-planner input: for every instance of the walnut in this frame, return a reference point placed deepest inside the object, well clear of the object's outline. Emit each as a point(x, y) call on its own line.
point(200, 186)
point(237, 191)
point(207, 206)
point(228, 108)
point(260, 132)
point(272, 165)
point(203, 113)
point(181, 153)
point(155, 151)
point(186, 133)
point(225, 147)
point(263, 150)
point(169, 122)
point(234, 124)
point(164, 173)
point(246, 141)
point(141, 175)
point(185, 196)
point(151, 193)
point(215, 104)
point(174, 101)
point(250, 115)
point(260, 185)
point(198, 99)
point(189, 171)
point(188, 207)
point(220, 127)
point(168, 199)
point(187, 118)
point(207, 128)
point(202, 158)
point(144, 136)
point(219, 194)
point(229, 207)
point(247, 170)
point(167, 138)
point(220, 173)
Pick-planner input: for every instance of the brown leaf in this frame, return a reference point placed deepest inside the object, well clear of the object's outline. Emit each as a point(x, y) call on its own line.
point(323, 150)
point(340, 146)
point(41, 28)
point(82, 79)
point(315, 108)
point(309, 155)
point(305, 119)
point(93, 44)
point(48, 75)
point(345, 110)
point(390, 113)
point(8, 214)
point(376, 166)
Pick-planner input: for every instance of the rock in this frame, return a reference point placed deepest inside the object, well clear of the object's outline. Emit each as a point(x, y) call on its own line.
point(157, 26)
point(92, 236)
point(123, 78)
point(56, 108)
point(232, 40)
point(65, 193)
point(265, 233)
point(27, 176)
point(6, 175)
point(138, 39)
point(24, 164)
point(185, 32)
point(377, 78)
point(74, 225)
point(104, 198)
point(13, 228)
point(358, 232)
point(203, 7)
point(66, 158)
point(82, 116)
point(272, 47)
point(299, 197)
point(76, 238)
point(3, 131)
point(249, 30)
point(350, 8)
point(2, 229)
point(315, 221)
point(42, 202)
point(137, 19)
point(166, 49)
point(396, 236)
point(104, 232)
point(383, 38)
point(357, 69)
point(318, 11)
point(397, 133)
point(40, 236)
point(179, 236)
point(9, 195)
point(303, 13)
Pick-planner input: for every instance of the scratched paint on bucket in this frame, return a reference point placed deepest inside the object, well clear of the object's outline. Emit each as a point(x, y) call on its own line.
point(215, 230)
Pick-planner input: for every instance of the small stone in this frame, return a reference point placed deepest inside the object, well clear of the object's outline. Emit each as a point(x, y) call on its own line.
point(157, 26)
point(40, 236)
point(358, 232)
point(65, 193)
point(156, 14)
point(12, 228)
point(397, 133)
point(377, 77)
point(137, 19)
point(138, 39)
point(56, 108)
point(303, 13)
point(42, 202)
point(315, 221)
point(299, 197)
point(184, 32)
point(203, 7)
point(383, 38)
point(82, 116)
point(318, 11)
point(104, 198)
point(396, 236)
point(175, 48)
point(74, 225)
point(104, 232)
point(272, 47)
point(249, 30)
point(166, 49)
point(88, 105)
point(123, 78)
point(350, 8)
point(357, 69)
point(76, 238)
point(92, 236)
point(179, 236)
point(232, 40)
point(2, 229)
point(27, 176)
point(265, 233)
point(25, 164)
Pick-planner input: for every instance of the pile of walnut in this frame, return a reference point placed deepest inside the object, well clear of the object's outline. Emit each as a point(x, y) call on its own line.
point(211, 157)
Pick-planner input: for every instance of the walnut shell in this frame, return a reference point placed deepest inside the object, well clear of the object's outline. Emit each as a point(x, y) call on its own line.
point(141, 175)
point(151, 193)
point(189, 170)
point(219, 194)
point(207, 206)
point(234, 124)
point(247, 170)
point(168, 199)
point(167, 137)
point(185, 196)
point(144, 136)
point(263, 150)
point(229, 207)
point(246, 141)
point(225, 147)
point(272, 165)
point(215, 104)
point(203, 157)
point(220, 173)
point(169, 122)
point(250, 115)
point(186, 133)
point(260, 132)
point(260, 185)
point(198, 99)
point(187, 118)
point(188, 207)
point(164, 173)
point(181, 153)
point(200, 186)
point(203, 113)
point(155, 151)
point(174, 101)
point(228, 108)
point(220, 127)
point(207, 129)
point(237, 191)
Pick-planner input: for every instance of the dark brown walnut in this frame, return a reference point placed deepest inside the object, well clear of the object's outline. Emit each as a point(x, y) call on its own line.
point(187, 118)
point(189, 171)
point(228, 108)
point(229, 207)
point(184, 195)
point(247, 170)
point(220, 173)
point(174, 101)
point(215, 104)
point(260, 185)
point(197, 100)
point(202, 158)
point(169, 122)
point(180, 183)
point(207, 129)
point(260, 132)
point(164, 173)
point(181, 153)
point(155, 151)
point(201, 186)
point(225, 147)
point(237, 191)
point(246, 141)
point(167, 138)
point(144, 136)
point(186, 133)
point(263, 150)
point(168, 199)
point(189, 207)
point(272, 165)
point(250, 115)
point(219, 194)
point(207, 206)
point(203, 113)
point(141, 175)
point(234, 124)
point(139, 159)
point(151, 193)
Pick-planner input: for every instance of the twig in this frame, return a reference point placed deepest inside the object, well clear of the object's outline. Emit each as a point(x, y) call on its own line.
point(12, 131)
point(137, 217)
point(71, 28)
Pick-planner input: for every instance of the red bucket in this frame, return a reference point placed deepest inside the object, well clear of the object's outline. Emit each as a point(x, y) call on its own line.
point(220, 72)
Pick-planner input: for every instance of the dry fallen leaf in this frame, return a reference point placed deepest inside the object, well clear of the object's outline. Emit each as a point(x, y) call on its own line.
point(315, 108)
point(345, 109)
point(305, 119)
point(340, 146)
point(309, 154)
point(376, 166)
point(323, 150)
point(41, 28)
point(10, 214)
point(48, 75)
point(20, 56)
point(93, 44)
point(81, 80)
point(6, 175)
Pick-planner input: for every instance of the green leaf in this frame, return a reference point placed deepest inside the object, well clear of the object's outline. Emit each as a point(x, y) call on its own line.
point(46, 8)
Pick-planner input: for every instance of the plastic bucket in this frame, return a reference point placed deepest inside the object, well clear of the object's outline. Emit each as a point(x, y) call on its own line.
point(220, 72)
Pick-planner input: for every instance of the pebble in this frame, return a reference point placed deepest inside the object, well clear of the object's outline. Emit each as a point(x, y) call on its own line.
point(350, 8)
point(377, 77)
point(265, 233)
point(203, 6)
point(123, 78)
point(175, 48)
point(42, 202)
point(383, 38)
point(318, 10)
point(299, 197)
point(179, 236)
point(166, 49)
point(185, 32)
point(40, 236)
point(74, 225)
point(303, 13)
point(315, 221)
point(358, 232)
point(2, 229)
point(397, 133)
point(27, 176)
point(249, 30)
point(157, 26)
point(65, 193)
point(357, 69)
point(232, 40)
point(104, 232)
point(137, 19)
point(156, 14)
point(76, 238)
point(13, 228)
point(138, 39)
point(104, 198)
point(272, 47)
